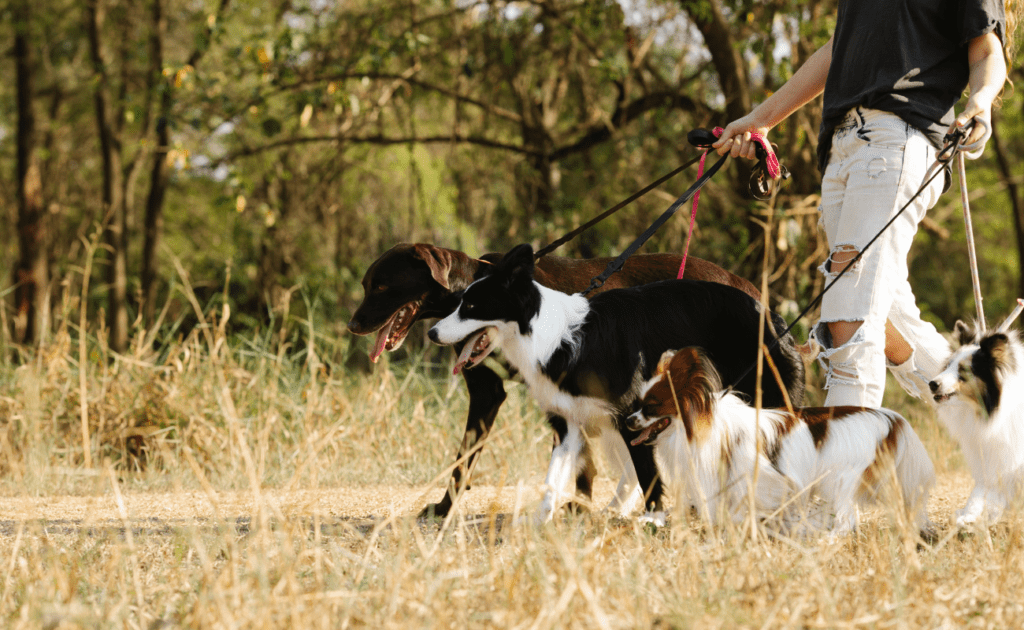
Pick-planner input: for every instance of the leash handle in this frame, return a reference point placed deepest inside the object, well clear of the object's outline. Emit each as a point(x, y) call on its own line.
point(974, 150)
point(954, 141)
point(760, 187)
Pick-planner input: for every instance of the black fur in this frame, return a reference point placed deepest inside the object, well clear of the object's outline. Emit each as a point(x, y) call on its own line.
point(627, 330)
point(987, 363)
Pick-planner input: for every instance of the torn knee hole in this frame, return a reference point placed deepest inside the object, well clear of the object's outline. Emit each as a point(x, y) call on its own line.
point(840, 257)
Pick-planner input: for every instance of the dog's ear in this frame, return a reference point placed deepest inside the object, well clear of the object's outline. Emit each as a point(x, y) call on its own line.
point(964, 333)
point(518, 263)
point(438, 260)
point(996, 346)
point(666, 358)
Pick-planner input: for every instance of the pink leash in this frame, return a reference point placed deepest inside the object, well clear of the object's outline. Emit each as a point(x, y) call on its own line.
point(773, 170)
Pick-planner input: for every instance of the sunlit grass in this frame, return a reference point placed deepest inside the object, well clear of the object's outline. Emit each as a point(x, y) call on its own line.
point(253, 482)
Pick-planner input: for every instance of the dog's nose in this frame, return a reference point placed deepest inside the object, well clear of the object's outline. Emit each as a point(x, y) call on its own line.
point(433, 335)
point(934, 386)
point(633, 421)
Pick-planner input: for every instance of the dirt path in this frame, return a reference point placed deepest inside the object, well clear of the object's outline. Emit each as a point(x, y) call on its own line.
point(366, 503)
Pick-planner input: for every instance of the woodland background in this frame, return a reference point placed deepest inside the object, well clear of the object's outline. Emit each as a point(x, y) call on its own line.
point(266, 153)
point(190, 193)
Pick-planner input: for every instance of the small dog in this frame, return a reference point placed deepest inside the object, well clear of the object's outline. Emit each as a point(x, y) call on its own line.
point(980, 399)
point(706, 448)
point(585, 361)
point(410, 282)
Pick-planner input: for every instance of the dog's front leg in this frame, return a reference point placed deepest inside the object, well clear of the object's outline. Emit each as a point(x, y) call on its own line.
point(645, 469)
point(564, 467)
point(486, 394)
point(627, 494)
point(984, 504)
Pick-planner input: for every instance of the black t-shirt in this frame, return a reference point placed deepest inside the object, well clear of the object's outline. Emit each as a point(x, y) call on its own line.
point(908, 57)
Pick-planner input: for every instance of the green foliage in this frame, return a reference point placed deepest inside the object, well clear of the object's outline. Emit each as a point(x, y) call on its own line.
point(307, 139)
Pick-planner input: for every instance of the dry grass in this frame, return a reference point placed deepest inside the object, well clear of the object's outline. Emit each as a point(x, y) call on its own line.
point(241, 483)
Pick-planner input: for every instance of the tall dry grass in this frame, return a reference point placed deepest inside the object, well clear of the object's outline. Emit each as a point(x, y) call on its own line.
point(250, 482)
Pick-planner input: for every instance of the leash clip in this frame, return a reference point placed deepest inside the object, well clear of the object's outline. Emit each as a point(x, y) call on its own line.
point(955, 142)
point(762, 184)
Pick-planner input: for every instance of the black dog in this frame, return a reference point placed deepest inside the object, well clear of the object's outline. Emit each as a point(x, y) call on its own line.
point(586, 361)
point(413, 282)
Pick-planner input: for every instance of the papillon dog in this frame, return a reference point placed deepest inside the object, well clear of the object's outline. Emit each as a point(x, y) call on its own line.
point(814, 466)
point(979, 397)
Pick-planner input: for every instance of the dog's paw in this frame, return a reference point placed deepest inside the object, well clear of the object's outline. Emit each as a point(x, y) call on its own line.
point(986, 514)
point(623, 509)
point(437, 510)
point(929, 534)
point(966, 519)
point(657, 519)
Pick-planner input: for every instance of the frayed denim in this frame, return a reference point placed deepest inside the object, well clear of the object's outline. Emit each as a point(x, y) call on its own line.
point(877, 163)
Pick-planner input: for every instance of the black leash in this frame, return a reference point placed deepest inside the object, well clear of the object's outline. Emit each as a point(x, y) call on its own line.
point(617, 264)
point(610, 211)
point(953, 142)
point(701, 138)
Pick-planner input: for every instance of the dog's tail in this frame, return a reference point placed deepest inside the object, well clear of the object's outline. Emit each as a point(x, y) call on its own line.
point(914, 472)
point(789, 361)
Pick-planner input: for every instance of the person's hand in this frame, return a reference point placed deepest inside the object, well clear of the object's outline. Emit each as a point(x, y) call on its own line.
point(979, 107)
point(735, 139)
point(987, 76)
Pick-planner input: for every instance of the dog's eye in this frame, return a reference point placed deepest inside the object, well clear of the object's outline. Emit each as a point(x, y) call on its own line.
point(381, 288)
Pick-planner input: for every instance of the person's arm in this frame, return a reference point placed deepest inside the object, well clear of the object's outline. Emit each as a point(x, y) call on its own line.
point(988, 74)
point(803, 86)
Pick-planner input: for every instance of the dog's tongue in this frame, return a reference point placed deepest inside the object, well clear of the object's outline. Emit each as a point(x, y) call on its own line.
point(644, 435)
point(466, 356)
point(382, 339)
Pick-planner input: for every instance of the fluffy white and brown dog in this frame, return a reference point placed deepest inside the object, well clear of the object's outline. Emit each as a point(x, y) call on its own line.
point(815, 466)
point(980, 400)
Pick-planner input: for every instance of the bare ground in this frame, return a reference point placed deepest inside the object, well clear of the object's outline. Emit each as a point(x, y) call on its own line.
point(361, 505)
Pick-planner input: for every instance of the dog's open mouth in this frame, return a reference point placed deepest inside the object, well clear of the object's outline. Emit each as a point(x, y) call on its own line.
point(478, 346)
point(652, 431)
point(393, 332)
point(941, 398)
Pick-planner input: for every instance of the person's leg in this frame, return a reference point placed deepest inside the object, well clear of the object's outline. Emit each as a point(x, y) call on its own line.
point(875, 168)
point(918, 351)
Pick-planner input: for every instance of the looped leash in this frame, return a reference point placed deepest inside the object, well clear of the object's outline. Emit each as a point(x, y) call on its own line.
point(974, 150)
point(760, 186)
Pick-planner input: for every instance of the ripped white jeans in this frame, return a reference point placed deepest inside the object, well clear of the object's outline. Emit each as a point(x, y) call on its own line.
point(876, 164)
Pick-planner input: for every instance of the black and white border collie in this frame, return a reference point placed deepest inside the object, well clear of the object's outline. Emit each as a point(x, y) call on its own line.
point(979, 397)
point(814, 465)
point(586, 361)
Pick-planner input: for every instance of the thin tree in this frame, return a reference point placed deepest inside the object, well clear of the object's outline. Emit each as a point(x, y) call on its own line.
point(30, 271)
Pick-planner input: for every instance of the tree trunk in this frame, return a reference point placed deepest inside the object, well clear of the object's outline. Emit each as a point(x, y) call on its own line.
point(31, 299)
point(115, 213)
point(158, 173)
point(725, 54)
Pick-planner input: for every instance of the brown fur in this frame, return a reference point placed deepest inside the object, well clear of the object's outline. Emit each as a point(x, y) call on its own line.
point(687, 378)
point(431, 276)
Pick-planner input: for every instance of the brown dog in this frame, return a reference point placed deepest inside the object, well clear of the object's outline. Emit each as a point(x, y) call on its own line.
point(413, 282)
